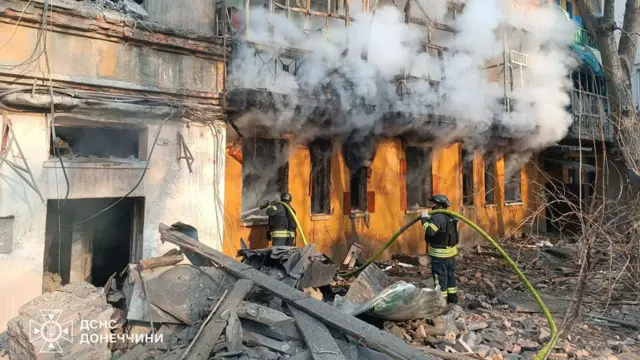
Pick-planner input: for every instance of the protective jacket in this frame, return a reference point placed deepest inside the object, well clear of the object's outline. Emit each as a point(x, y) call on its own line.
point(281, 223)
point(441, 235)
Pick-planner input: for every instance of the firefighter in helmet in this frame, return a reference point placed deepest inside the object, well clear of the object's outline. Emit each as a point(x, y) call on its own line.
point(281, 229)
point(441, 235)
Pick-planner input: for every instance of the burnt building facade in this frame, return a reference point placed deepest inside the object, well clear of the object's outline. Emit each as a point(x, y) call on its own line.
point(350, 186)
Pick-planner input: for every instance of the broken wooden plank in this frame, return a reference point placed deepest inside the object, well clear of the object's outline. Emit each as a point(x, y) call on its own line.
point(285, 332)
point(212, 331)
point(262, 314)
point(365, 333)
point(161, 261)
point(317, 336)
point(255, 339)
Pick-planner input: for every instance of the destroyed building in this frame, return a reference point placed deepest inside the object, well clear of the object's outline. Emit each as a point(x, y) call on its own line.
point(136, 112)
point(358, 173)
point(135, 135)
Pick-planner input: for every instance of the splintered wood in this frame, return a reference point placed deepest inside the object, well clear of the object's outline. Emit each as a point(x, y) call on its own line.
point(313, 317)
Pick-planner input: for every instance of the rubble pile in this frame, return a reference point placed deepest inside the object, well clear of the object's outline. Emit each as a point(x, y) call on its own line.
point(289, 303)
point(163, 308)
point(497, 318)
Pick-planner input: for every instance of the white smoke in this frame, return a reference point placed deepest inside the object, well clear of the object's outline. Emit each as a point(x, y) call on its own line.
point(360, 63)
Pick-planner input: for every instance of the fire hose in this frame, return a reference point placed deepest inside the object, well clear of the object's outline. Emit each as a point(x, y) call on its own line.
point(293, 215)
point(538, 299)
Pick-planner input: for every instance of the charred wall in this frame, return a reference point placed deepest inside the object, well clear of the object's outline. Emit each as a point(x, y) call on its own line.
point(334, 231)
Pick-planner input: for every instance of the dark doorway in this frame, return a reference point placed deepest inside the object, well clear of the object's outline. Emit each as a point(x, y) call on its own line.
point(97, 248)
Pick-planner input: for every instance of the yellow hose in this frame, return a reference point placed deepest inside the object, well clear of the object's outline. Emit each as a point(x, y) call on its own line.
point(304, 239)
point(547, 314)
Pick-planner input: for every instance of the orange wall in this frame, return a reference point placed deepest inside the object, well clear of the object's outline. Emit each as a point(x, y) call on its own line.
point(334, 233)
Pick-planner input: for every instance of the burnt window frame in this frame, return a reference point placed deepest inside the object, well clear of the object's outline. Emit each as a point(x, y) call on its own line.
point(426, 189)
point(282, 181)
point(467, 171)
point(74, 122)
point(358, 191)
point(513, 186)
point(490, 167)
point(321, 153)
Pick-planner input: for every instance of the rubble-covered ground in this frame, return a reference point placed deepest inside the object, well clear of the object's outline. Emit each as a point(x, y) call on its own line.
point(288, 303)
point(497, 318)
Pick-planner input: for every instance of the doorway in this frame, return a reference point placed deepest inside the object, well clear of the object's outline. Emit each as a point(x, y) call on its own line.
point(95, 249)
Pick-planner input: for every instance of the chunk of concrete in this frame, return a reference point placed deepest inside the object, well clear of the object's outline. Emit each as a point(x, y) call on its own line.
point(50, 326)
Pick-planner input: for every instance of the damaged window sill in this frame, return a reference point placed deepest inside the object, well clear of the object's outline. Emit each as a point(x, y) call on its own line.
point(256, 222)
point(320, 217)
point(490, 205)
point(358, 214)
point(514, 203)
point(96, 164)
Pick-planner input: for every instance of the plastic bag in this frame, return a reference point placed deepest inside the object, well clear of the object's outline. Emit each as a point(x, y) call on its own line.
point(398, 302)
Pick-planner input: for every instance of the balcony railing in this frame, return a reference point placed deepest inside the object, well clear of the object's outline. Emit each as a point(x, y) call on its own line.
point(591, 117)
point(582, 37)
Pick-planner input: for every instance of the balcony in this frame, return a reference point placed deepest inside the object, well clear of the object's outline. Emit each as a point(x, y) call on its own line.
point(583, 38)
point(591, 117)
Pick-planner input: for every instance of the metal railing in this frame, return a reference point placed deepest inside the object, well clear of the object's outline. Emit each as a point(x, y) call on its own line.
point(582, 37)
point(591, 116)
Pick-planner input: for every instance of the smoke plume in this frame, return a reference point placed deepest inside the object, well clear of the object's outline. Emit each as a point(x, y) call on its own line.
point(361, 64)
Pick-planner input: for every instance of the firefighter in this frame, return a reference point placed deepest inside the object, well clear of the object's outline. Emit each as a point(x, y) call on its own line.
point(281, 230)
point(441, 235)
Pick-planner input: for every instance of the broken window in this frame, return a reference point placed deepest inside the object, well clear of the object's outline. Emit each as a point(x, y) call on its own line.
point(489, 179)
point(513, 187)
point(358, 190)
point(466, 160)
point(98, 142)
point(419, 177)
point(320, 151)
point(358, 151)
point(264, 174)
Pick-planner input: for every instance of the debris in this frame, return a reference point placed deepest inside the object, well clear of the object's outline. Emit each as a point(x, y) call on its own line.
point(161, 261)
point(67, 307)
point(497, 339)
point(544, 335)
point(301, 268)
point(416, 260)
point(262, 314)
point(314, 293)
point(206, 321)
point(370, 282)
point(352, 256)
point(477, 326)
point(233, 333)
point(400, 301)
point(51, 282)
point(321, 344)
point(203, 345)
point(255, 339)
point(367, 334)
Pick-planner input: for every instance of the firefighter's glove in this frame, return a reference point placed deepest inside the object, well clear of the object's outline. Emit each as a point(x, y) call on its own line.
point(425, 216)
point(265, 204)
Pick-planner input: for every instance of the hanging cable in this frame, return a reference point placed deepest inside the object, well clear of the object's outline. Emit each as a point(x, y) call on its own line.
point(155, 140)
